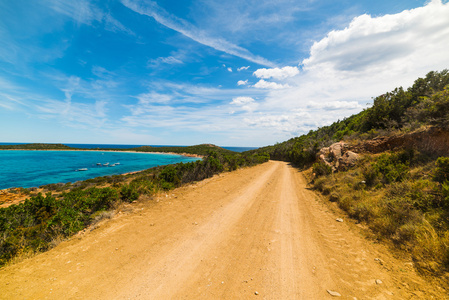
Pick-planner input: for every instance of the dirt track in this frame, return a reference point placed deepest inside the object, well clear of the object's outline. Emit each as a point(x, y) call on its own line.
point(256, 232)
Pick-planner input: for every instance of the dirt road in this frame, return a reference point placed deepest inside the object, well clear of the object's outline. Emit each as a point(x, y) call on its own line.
point(254, 233)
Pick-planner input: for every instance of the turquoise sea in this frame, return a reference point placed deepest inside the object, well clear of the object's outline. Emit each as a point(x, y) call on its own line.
point(35, 168)
point(121, 146)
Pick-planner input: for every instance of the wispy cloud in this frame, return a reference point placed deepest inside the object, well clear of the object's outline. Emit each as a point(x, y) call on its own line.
point(242, 68)
point(335, 105)
point(167, 60)
point(77, 115)
point(83, 104)
point(84, 12)
point(151, 9)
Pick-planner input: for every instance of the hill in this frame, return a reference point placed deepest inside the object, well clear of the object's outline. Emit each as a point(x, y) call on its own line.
point(424, 103)
point(397, 183)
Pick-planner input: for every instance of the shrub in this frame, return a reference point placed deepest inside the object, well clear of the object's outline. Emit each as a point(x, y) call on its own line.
point(361, 212)
point(442, 169)
point(391, 168)
point(320, 169)
point(370, 175)
point(169, 175)
point(129, 193)
point(334, 197)
point(319, 183)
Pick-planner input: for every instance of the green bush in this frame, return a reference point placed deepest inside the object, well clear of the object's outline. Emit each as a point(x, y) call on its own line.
point(170, 175)
point(442, 169)
point(129, 193)
point(321, 169)
point(391, 168)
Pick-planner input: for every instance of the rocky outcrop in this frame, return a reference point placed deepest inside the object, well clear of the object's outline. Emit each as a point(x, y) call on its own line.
point(338, 157)
point(348, 160)
point(430, 140)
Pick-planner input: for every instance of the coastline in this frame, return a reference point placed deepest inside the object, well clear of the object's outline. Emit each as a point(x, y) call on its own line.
point(5, 191)
point(119, 151)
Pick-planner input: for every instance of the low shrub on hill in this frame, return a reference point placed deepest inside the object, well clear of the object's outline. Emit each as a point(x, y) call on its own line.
point(426, 102)
point(403, 199)
point(402, 196)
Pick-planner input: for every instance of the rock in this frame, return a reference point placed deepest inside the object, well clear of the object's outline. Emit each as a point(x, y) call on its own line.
point(347, 160)
point(379, 261)
point(324, 152)
point(378, 281)
point(331, 155)
point(337, 150)
point(333, 293)
point(339, 220)
point(256, 293)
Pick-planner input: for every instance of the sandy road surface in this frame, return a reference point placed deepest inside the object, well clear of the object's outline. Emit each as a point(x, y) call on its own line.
point(254, 230)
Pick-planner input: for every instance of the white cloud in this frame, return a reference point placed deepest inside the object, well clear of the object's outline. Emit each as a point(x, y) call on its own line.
point(242, 100)
point(229, 69)
point(242, 82)
point(278, 122)
point(243, 68)
point(152, 98)
point(276, 73)
point(348, 67)
point(335, 105)
point(262, 84)
point(153, 10)
point(245, 103)
point(414, 40)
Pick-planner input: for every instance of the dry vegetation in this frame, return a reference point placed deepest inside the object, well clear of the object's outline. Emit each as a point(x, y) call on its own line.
point(403, 198)
point(401, 193)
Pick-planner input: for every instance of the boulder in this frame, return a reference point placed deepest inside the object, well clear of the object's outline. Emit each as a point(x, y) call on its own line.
point(324, 151)
point(338, 149)
point(347, 160)
point(337, 156)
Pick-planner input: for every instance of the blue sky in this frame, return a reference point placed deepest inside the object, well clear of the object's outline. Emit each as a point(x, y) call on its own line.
point(231, 73)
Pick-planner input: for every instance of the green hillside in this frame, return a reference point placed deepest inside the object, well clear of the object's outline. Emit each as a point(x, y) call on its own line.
point(426, 102)
point(400, 192)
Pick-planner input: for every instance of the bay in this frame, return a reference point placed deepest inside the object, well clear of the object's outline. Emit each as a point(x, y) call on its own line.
point(19, 168)
point(123, 146)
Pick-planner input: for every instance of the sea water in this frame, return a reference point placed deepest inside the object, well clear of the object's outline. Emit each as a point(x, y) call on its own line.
point(20, 168)
point(120, 146)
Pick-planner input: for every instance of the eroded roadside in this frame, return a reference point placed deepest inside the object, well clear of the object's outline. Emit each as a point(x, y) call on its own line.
point(255, 232)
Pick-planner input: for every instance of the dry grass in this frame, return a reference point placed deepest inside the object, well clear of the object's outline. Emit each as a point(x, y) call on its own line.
point(408, 214)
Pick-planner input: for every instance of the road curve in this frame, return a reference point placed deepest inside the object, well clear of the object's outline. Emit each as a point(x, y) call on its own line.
point(254, 233)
